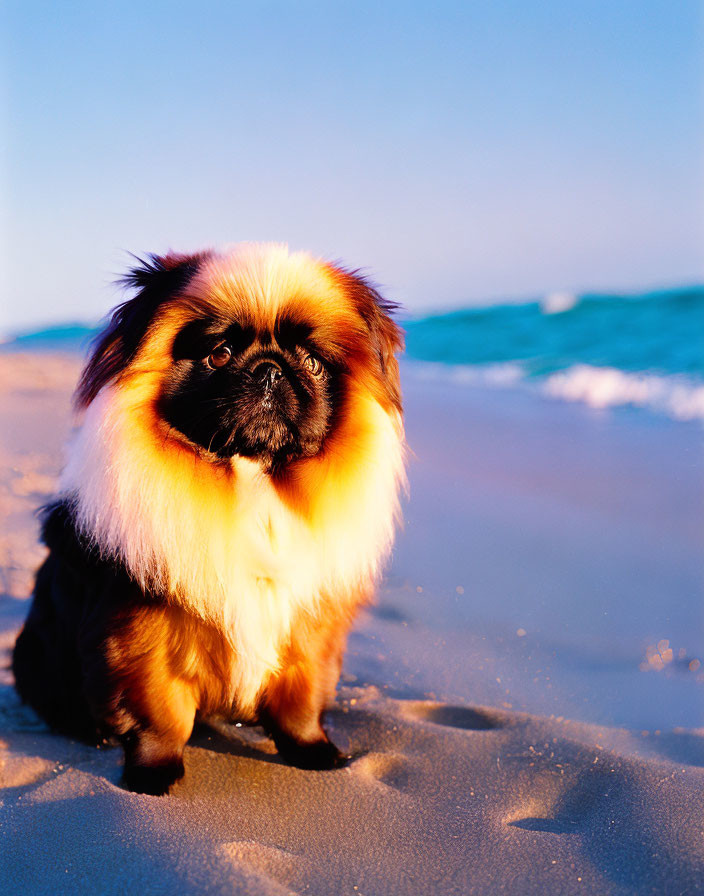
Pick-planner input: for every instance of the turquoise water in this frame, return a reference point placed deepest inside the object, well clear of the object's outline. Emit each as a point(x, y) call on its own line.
point(660, 332)
point(73, 337)
point(645, 351)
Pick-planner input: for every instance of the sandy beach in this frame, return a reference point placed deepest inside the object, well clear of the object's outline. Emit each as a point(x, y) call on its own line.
point(524, 705)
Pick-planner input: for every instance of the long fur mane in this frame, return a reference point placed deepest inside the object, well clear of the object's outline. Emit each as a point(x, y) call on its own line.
point(244, 550)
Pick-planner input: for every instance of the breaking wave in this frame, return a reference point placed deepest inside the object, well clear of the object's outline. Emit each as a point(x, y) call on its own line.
point(605, 351)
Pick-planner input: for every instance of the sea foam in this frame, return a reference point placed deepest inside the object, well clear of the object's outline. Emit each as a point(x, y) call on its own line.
point(602, 387)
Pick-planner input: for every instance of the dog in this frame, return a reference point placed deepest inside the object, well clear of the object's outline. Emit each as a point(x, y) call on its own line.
point(229, 498)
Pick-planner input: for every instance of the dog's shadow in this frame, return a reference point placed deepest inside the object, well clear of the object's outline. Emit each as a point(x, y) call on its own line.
point(251, 741)
point(245, 741)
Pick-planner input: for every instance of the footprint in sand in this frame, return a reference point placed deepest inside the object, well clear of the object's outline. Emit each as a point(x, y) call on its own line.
point(462, 717)
point(390, 769)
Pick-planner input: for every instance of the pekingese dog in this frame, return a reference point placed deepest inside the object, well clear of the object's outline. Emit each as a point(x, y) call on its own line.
point(230, 494)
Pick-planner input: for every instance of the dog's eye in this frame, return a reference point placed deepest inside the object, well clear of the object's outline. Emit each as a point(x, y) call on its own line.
point(313, 364)
point(219, 356)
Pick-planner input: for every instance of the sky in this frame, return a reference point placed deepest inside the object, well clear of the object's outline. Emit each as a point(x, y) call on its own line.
point(459, 153)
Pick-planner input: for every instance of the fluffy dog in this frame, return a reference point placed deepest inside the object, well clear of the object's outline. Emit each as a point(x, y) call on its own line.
point(230, 494)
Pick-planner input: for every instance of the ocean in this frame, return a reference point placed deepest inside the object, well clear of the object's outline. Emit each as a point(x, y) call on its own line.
point(604, 350)
point(642, 350)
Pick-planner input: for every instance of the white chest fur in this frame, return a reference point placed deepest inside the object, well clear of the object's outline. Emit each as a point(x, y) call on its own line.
point(222, 541)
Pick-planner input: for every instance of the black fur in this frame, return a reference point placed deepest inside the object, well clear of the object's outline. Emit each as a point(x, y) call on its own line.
point(240, 408)
point(321, 755)
point(57, 660)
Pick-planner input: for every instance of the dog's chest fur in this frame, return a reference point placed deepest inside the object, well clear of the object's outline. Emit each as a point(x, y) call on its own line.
point(222, 542)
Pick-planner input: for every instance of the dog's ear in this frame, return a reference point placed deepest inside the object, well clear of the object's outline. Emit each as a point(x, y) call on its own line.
point(156, 279)
point(386, 335)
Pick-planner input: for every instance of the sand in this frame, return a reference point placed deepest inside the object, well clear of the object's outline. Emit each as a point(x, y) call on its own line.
point(524, 705)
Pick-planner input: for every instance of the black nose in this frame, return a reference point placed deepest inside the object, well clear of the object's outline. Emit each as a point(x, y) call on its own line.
point(267, 372)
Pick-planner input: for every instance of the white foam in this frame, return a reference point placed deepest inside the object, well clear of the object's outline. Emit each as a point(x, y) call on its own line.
point(675, 396)
point(505, 374)
point(559, 301)
point(602, 387)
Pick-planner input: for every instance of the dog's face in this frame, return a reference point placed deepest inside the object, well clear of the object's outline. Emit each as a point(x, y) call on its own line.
point(264, 393)
point(253, 353)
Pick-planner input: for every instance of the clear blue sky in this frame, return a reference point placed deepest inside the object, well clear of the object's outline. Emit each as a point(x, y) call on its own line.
point(461, 152)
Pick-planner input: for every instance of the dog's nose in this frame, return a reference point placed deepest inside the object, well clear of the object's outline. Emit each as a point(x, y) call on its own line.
point(267, 372)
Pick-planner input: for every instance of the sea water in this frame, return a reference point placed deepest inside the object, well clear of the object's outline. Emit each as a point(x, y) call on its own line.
point(604, 350)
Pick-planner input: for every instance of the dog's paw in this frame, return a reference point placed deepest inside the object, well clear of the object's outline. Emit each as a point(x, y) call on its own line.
point(319, 755)
point(155, 780)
